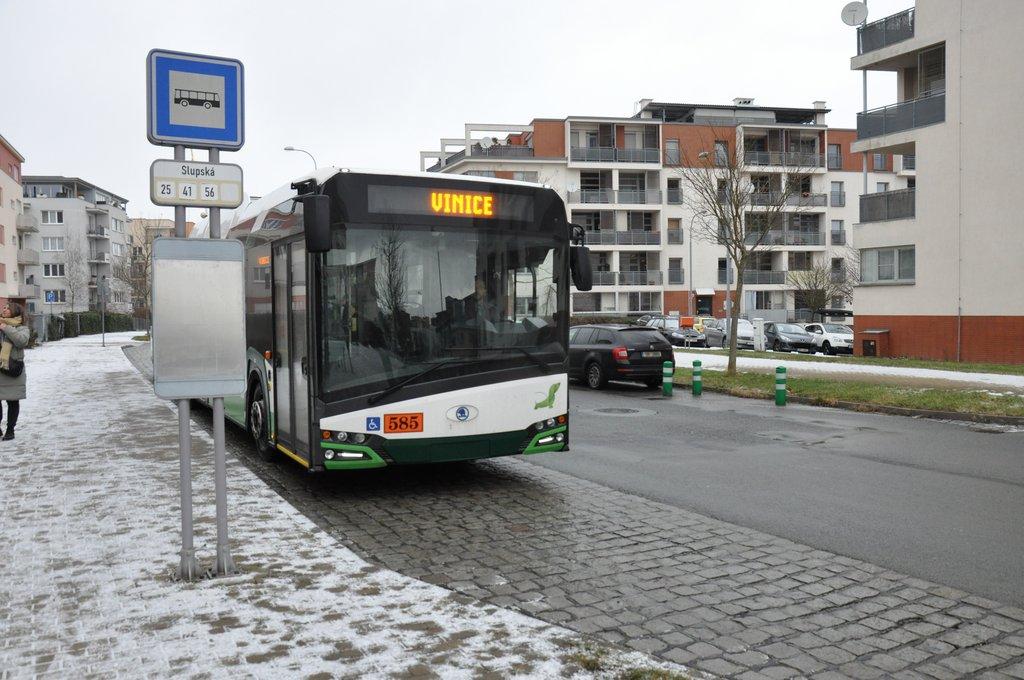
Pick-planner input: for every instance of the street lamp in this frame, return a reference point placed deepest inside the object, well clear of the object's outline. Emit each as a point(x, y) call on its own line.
point(292, 148)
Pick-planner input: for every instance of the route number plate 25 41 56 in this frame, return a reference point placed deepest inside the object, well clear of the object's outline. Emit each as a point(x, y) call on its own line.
point(403, 422)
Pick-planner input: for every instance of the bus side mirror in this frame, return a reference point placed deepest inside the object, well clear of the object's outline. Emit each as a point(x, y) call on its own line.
point(316, 219)
point(579, 266)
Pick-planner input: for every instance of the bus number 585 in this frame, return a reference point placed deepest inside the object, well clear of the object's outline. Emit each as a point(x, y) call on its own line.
point(403, 422)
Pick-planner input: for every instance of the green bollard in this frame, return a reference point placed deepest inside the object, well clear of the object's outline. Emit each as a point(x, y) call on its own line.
point(697, 382)
point(780, 386)
point(667, 373)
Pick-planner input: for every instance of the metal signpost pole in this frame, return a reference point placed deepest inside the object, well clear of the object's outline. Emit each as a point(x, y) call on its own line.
point(224, 565)
point(188, 569)
point(103, 311)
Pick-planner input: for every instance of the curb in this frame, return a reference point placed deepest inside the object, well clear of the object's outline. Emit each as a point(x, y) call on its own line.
point(863, 407)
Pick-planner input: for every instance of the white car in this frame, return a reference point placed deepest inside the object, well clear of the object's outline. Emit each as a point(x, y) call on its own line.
point(831, 338)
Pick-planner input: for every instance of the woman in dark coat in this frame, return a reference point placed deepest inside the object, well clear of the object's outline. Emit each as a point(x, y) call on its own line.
point(14, 334)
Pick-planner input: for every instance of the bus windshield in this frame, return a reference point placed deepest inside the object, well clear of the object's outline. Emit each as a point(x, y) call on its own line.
point(398, 299)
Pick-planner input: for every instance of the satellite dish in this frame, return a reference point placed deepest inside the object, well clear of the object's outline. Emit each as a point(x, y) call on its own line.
point(486, 142)
point(855, 14)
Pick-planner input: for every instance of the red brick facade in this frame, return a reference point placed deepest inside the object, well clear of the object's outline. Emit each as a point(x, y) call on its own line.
point(995, 339)
point(549, 138)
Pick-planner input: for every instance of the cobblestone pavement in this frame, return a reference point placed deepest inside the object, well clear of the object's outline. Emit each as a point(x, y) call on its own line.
point(731, 601)
point(684, 587)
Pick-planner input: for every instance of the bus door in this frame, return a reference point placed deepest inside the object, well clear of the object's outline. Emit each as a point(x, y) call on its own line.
point(291, 362)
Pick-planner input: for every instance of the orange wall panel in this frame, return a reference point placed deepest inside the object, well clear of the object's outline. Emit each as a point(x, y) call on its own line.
point(549, 138)
point(995, 339)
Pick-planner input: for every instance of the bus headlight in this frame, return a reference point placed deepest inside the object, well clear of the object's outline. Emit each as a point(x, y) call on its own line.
point(341, 436)
point(559, 437)
point(329, 454)
point(540, 425)
point(358, 438)
point(550, 422)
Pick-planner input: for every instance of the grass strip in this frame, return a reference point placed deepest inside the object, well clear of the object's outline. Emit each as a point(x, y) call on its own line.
point(829, 392)
point(959, 367)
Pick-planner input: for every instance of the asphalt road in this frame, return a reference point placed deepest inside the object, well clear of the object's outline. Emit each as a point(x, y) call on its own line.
point(941, 501)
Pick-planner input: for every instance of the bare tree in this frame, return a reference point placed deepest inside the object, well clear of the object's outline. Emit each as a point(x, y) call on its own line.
point(76, 269)
point(822, 283)
point(136, 271)
point(743, 213)
point(391, 278)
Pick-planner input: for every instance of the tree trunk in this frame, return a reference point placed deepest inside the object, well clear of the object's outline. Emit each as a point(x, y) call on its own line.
point(734, 323)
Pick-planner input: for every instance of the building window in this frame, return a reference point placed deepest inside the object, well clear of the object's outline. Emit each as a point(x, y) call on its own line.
point(55, 295)
point(117, 249)
point(800, 262)
point(53, 270)
point(53, 244)
point(879, 161)
point(835, 156)
point(479, 173)
point(837, 225)
point(3, 273)
point(881, 187)
point(53, 217)
point(721, 153)
point(525, 175)
point(671, 152)
point(887, 264)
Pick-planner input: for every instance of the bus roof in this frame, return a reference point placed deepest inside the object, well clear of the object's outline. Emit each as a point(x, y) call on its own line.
point(283, 193)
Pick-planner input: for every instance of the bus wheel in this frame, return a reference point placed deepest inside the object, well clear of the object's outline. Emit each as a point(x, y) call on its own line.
point(257, 425)
point(184, 103)
point(206, 105)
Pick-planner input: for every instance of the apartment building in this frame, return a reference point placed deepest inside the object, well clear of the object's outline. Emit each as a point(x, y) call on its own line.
point(80, 240)
point(621, 180)
point(942, 259)
point(11, 226)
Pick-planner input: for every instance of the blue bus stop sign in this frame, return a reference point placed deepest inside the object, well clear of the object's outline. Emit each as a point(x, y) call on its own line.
point(195, 100)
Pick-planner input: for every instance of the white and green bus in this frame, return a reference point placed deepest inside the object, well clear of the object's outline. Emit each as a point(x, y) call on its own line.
point(406, 318)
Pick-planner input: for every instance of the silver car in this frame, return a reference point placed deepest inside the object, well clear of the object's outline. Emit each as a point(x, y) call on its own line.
point(717, 333)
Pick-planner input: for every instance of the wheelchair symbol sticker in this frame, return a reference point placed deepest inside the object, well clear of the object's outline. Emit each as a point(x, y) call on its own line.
point(373, 424)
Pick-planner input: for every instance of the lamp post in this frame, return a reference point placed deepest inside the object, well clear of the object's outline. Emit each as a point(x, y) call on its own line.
point(103, 310)
point(292, 148)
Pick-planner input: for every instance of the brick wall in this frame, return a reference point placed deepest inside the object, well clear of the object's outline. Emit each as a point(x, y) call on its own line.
point(853, 162)
point(696, 138)
point(676, 301)
point(995, 339)
point(549, 138)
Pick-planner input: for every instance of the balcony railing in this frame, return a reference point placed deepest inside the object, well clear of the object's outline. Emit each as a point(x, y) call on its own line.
point(605, 278)
point(645, 196)
point(97, 232)
point(592, 196)
point(884, 32)
point(722, 276)
point(887, 205)
point(676, 276)
point(762, 198)
point(910, 162)
point(837, 199)
point(838, 238)
point(674, 236)
point(807, 200)
point(99, 258)
point(837, 276)
point(503, 150)
point(644, 278)
point(607, 154)
point(770, 238)
point(674, 196)
point(834, 161)
point(601, 237)
point(24, 222)
point(671, 156)
point(637, 237)
point(28, 256)
point(798, 159)
point(28, 290)
point(800, 238)
point(907, 115)
point(757, 276)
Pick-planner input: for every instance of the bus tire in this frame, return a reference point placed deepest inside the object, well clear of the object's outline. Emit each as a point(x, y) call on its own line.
point(256, 423)
point(206, 105)
point(184, 103)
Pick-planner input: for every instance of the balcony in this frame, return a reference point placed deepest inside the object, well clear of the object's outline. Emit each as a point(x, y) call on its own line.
point(97, 232)
point(502, 151)
point(837, 199)
point(722, 277)
point(607, 154)
point(807, 200)
point(592, 196)
point(674, 196)
point(600, 237)
point(643, 196)
point(674, 236)
point(605, 278)
point(99, 258)
point(909, 162)
point(838, 238)
point(787, 238)
point(28, 290)
point(644, 278)
point(907, 115)
point(795, 159)
point(637, 237)
point(676, 276)
point(762, 277)
point(26, 223)
point(888, 205)
point(884, 32)
point(28, 256)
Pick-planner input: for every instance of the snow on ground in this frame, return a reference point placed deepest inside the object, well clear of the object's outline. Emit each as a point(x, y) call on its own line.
point(90, 526)
point(826, 367)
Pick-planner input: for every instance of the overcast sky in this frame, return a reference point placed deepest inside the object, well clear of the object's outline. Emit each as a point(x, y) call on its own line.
point(370, 84)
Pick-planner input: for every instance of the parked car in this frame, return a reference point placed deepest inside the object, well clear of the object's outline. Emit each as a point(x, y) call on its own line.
point(787, 337)
point(717, 333)
point(699, 321)
point(676, 333)
point(831, 338)
point(602, 352)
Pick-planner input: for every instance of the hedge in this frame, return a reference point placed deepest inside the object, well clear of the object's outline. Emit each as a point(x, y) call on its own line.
point(72, 324)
